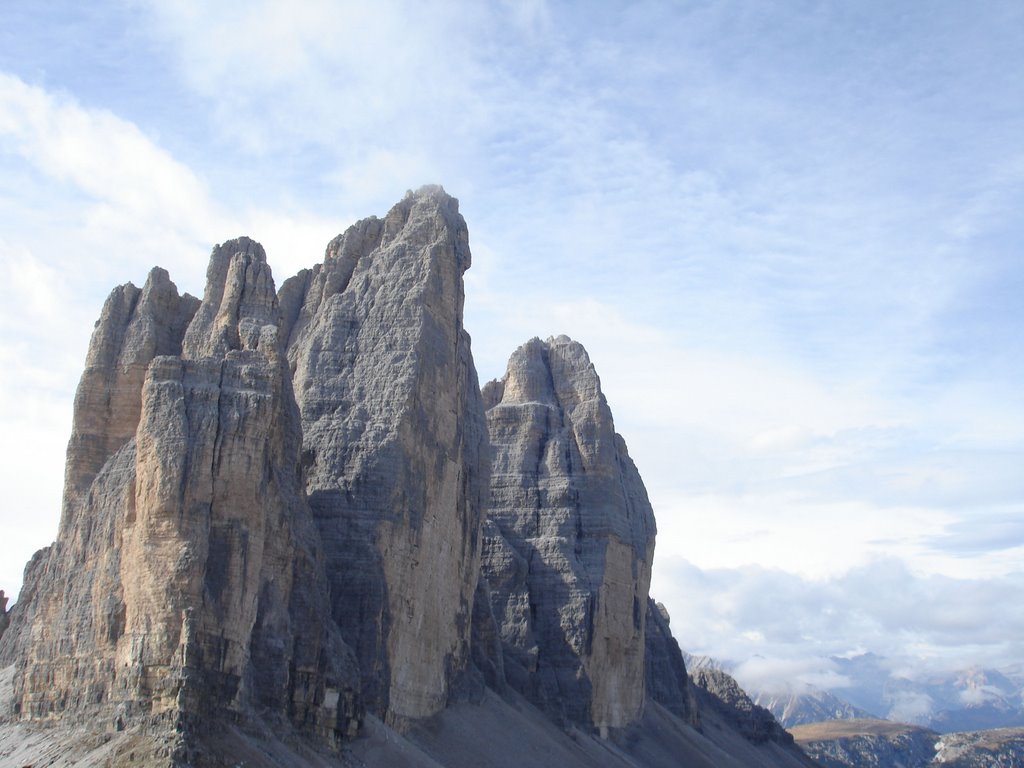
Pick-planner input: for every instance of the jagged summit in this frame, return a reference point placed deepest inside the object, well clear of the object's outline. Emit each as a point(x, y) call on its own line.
point(295, 532)
point(239, 301)
point(569, 554)
point(395, 444)
point(186, 578)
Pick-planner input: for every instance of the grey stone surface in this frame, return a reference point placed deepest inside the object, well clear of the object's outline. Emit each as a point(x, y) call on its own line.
point(718, 690)
point(187, 578)
point(274, 516)
point(4, 618)
point(394, 445)
point(665, 670)
point(568, 553)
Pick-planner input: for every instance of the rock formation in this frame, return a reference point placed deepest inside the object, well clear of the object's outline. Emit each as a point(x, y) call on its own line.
point(274, 524)
point(394, 445)
point(186, 578)
point(135, 326)
point(569, 554)
point(4, 619)
point(667, 680)
point(718, 689)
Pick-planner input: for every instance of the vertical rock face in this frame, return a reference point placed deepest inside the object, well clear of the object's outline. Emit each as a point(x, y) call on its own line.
point(71, 610)
point(187, 578)
point(134, 327)
point(718, 690)
point(394, 444)
point(4, 619)
point(569, 555)
point(666, 677)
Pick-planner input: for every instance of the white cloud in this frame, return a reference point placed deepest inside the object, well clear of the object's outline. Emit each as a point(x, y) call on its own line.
point(349, 76)
point(102, 155)
point(791, 676)
point(99, 204)
point(780, 627)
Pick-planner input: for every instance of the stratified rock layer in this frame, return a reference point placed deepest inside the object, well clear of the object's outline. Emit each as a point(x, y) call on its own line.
point(568, 556)
point(186, 579)
point(394, 445)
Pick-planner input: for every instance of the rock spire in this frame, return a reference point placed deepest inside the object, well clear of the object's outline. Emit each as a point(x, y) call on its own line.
point(394, 444)
point(569, 550)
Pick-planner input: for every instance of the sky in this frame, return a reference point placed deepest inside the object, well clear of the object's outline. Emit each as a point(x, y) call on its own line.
point(788, 233)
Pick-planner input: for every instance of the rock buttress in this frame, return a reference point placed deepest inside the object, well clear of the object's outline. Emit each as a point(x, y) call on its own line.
point(187, 581)
point(570, 542)
point(394, 445)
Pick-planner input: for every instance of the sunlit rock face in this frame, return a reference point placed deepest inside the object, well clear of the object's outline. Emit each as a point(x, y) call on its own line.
point(394, 445)
point(187, 577)
point(570, 542)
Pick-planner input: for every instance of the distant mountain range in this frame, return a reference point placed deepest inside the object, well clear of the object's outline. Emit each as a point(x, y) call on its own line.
point(971, 699)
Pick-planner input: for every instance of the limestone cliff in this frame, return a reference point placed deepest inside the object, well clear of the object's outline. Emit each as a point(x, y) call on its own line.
point(569, 554)
point(394, 445)
point(134, 327)
point(274, 516)
point(186, 579)
point(665, 669)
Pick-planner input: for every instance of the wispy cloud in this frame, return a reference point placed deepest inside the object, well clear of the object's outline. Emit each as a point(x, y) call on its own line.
point(788, 239)
point(98, 203)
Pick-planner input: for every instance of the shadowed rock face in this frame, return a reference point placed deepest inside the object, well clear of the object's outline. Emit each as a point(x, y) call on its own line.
point(394, 445)
point(665, 670)
point(186, 579)
point(569, 550)
point(718, 690)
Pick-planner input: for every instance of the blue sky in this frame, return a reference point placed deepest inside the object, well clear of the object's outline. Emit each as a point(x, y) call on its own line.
point(788, 233)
